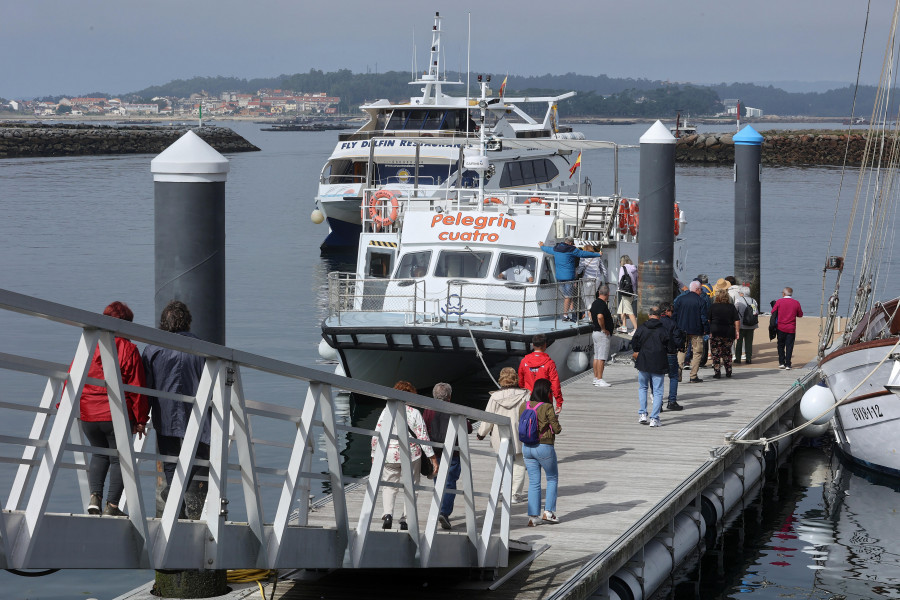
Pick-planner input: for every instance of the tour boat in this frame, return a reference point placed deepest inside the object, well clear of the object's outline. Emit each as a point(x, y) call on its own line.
point(417, 146)
point(863, 371)
point(451, 287)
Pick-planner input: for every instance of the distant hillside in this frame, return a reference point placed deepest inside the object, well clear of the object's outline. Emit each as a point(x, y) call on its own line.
point(598, 95)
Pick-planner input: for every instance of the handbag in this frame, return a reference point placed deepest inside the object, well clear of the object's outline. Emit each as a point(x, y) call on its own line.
point(427, 468)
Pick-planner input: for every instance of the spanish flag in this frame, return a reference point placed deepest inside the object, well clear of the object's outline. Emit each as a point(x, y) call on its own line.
point(575, 166)
point(503, 85)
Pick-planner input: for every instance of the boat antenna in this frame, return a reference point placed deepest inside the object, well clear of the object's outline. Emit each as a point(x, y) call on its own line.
point(468, 74)
point(414, 69)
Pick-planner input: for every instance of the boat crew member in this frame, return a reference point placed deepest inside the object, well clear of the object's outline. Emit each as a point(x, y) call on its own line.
point(517, 274)
point(565, 256)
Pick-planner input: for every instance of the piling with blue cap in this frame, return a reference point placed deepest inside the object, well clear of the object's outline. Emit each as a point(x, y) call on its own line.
point(189, 232)
point(747, 208)
point(656, 236)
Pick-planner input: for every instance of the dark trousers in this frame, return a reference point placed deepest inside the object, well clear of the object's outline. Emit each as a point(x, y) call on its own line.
point(785, 347)
point(453, 472)
point(100, 434)
point(674, 374)
point(195, 492)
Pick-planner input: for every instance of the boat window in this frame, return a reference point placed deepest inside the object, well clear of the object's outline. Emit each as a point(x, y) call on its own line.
point(462, 263)
point(379, 263)
point(416, 118)
point(528, 172)
point(413, 264)
point(548, 271)
point(434, 120)
point(398, 119)
point(518, 268)
point(451, 120)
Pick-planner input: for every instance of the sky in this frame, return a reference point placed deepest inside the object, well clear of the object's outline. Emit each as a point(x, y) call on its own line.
point(63, 47)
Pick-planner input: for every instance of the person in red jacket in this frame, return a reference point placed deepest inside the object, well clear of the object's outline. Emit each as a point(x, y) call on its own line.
point(96, 420)
point(788, 310)
point(539, 365)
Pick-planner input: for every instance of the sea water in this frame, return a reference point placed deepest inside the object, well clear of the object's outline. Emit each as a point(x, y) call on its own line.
point(79, 231)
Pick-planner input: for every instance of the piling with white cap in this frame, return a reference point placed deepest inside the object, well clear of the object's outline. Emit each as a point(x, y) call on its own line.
point(189, 232)
point(747, 208)
point(656, 237)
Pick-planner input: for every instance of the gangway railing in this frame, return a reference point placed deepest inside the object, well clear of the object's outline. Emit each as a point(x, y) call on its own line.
point(44, 525)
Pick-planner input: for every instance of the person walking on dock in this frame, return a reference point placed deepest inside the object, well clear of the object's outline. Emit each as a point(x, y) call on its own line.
point(541, 454)
point(508, 401)
point(539, 365)
point(786, 327)
point(436, 423)
point(665, 316)
point(691, 317)
point(602, 326)
point(392, 466)
point(724, 327)
point(652, 345)
point(96, 419)
point(592, 271)
point(565, 257)
point(628, 282)
point(177, 372)
point(749, 311)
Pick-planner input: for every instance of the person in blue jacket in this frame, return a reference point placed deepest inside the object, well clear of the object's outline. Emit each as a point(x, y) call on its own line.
point(565, 257)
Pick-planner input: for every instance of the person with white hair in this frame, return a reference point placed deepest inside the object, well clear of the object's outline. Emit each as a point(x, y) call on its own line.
point(692, 318)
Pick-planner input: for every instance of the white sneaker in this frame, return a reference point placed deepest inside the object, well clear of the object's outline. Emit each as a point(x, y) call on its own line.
point(654, 423)
point(787, 368)
point(601, 383)
point(548, 516)
point(781, 366)
point(517, 499)
point(642, 419)
point(622, 330)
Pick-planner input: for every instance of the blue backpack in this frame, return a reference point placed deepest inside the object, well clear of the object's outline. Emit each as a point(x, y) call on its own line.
point(529, 433)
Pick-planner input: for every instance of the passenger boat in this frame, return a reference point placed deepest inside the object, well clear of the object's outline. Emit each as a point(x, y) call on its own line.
point(417, 146)
point(863, 371)
point(451, 287)
point(682, 128)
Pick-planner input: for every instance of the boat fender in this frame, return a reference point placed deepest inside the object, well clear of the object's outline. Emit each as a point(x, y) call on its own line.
point(377, 202)
point(815, 400)
point(577, 361)
point(326, 351)
point(317, 216)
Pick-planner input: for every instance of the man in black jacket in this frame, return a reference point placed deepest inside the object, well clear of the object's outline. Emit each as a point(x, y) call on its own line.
point(677, 336)
point(652, 345)
point(691, 315)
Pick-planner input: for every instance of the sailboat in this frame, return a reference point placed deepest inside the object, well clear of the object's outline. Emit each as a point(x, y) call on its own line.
point(862, 370)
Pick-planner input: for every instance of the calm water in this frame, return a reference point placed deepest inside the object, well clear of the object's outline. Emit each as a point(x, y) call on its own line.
point(79, 231)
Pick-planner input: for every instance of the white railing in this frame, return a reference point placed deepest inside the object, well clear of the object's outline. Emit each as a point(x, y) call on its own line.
point(242, 531)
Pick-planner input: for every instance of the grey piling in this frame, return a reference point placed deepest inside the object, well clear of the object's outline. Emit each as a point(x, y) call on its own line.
point(189, 241)
point(656, 237)
point(747, 209)
point(189, 232)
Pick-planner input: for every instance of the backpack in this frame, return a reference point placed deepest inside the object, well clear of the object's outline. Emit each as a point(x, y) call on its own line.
point(750, 318)
point(529, 434)
point(625, 284)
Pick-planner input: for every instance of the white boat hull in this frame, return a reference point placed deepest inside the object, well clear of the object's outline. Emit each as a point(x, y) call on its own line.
point(867, 424)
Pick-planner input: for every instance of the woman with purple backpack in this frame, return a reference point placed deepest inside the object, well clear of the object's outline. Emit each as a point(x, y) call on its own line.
point(538, 427)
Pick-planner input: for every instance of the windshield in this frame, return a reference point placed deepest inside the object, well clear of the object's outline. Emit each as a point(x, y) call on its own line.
point(462, 263)
point(413, 264)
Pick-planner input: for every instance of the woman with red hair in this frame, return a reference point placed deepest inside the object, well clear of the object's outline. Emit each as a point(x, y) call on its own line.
point(96, 420)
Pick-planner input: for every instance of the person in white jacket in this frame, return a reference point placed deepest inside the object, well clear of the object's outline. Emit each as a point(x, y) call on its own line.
point(508, 401)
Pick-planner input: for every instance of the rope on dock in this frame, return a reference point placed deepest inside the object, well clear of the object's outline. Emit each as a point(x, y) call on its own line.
point(766, 441)
point(254, 576)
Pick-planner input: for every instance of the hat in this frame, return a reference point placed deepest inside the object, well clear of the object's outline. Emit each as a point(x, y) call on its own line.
point(721, 284)
point(703, 279)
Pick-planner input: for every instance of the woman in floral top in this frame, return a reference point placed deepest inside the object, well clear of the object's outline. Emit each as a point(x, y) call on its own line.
point(392, 459)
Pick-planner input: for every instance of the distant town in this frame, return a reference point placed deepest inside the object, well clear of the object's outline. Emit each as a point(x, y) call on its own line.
point(264, 103)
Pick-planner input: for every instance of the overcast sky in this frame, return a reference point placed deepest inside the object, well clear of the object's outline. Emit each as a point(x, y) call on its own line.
point(68, 47)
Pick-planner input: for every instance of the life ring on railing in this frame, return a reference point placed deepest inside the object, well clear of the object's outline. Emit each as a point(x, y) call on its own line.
point(677, 214)
point(376, 205)
point(493, 201)
point(624, 204)
point(537, 200)
point(633, 217)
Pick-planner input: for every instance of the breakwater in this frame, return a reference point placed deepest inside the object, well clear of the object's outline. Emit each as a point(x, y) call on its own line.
point(19, 140)
point(779, 148)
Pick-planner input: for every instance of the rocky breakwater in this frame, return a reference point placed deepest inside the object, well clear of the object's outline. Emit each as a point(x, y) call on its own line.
point(782, 148)
point(35, 139)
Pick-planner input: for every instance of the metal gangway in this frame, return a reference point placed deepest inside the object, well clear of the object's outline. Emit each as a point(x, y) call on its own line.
point(45, 525)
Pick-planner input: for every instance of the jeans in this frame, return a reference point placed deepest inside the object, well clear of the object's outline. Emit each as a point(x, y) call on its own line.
point(644, 379)
point(673, 377)
point(100, 434)
point(453, 472)
point(542, 456)
point(785, 347)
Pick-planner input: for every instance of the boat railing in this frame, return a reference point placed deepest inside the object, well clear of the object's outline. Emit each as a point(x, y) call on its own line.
point(257, 510)
point(508, 306)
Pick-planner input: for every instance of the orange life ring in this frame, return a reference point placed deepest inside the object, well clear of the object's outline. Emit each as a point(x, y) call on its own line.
point(375, 208)
point(633, 217)
point(677, 214)
point(536, 200)
point(624, 204)
point(493, 201)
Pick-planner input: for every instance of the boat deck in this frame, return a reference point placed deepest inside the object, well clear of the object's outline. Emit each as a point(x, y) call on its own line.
point(612, 472)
